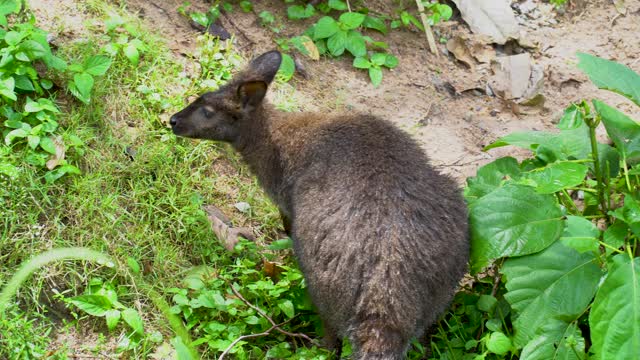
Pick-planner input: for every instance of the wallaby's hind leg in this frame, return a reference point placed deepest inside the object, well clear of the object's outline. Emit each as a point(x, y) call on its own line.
point(332, 341)
point(286, 223)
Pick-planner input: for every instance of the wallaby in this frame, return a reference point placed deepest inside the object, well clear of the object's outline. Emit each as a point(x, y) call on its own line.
point(380, 236)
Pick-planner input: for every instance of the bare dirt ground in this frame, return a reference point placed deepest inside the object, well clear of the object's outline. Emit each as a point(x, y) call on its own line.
point(452, 128)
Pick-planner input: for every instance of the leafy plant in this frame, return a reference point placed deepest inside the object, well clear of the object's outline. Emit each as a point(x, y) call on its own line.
point(219, 317)
point(124, 39)
point(31, 125)
point(435, 12)
point(83, 76)
point(375, 64)
point(101, 300)
point(562, 228)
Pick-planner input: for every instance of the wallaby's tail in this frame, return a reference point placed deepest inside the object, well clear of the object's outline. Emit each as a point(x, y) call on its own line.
point(374, 340)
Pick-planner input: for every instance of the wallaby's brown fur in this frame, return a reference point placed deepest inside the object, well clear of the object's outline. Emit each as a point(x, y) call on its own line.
point(380, 236)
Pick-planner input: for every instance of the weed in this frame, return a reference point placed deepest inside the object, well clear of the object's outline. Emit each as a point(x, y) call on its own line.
point(562, 226)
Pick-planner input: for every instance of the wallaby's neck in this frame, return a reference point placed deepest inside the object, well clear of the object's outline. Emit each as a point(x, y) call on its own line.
point(258, 149)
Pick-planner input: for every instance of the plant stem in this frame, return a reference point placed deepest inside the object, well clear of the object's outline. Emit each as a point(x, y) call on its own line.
point(28, 268)
point(626, 173)
point(593, 123)
point(427, 29)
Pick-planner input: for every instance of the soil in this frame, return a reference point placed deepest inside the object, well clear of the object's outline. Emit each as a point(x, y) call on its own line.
point(417, 95)
point(452, 128)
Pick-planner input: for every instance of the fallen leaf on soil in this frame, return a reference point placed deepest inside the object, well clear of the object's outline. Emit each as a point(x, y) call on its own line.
point(221, 226)
point(518, 81)
point(515, 77)
point(482, 51)
point(59, 156)
point(271, 269)
point(458, 47)
point(494, 18)
point(311, 47)
point(620, 6)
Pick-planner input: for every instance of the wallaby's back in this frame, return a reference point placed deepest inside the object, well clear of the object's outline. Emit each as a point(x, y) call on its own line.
point(381, 237)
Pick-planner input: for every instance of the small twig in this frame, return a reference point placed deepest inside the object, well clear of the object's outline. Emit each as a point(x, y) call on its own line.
point(427, 29)
point(275, 326)
point(348, 6)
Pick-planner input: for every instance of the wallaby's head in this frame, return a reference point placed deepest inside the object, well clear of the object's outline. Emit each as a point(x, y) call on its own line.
point(218, 115)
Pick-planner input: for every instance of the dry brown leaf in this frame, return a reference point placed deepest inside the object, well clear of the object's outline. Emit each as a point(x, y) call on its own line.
point(458, 47)
point(308, 44)
point(59, 156)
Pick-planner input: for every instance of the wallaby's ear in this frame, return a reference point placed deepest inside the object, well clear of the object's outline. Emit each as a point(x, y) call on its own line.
point(251, 93)
point(265, 66)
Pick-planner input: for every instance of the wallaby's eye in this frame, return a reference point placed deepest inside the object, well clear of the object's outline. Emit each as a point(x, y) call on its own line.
point(207, 112)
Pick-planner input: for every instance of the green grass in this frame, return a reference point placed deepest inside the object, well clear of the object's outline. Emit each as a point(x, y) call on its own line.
point(147, 207)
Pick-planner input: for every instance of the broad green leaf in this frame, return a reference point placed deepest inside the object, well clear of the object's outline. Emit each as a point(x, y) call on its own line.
point(84, 84)
point(10, 6)
point(624, 132)
point(351, 20)
point(6, 88)
point(33, 141)
point(557, 176)
point(337, 5)
point(59, 172)
point(391, 61)
point(200, 18)
point(32, 106)
point(375, 23)
point(615, 235)
point(615, 314)
point(611, 75)
point(375, 74)
point(512, 220)
point(13, 38)
point(9, 170)
point(499, 343)
point(48, 145)
point(287, 67)
point(131, 52)
point(486, 303)
point(297, 12)
point(15, 134)
point(95, 305)
point(378, 59)
point(550, 288)
point(551, 147)
point(325, 27)
point(491, 176)
point(133, 319)
point(182, 350)
point(336, 43)
point(629, 213)
point(133, 265)
point(287, 308)
point(55, 63)
point(281, 244)
point(580, 234)
point(556, 342)
point(112, 316)
point(355, 44)
point(97, 65)
point(32, 49)
point(361, 63)
point(24, 83)
point(572, 118)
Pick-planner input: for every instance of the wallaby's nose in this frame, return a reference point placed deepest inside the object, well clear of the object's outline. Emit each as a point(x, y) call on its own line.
point(173, 121)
